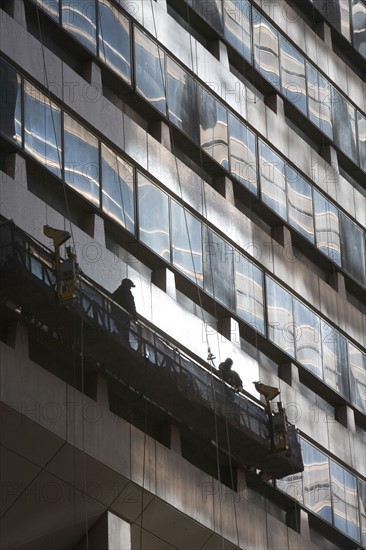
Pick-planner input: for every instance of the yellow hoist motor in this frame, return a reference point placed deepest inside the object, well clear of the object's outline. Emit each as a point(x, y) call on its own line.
point(65, 269)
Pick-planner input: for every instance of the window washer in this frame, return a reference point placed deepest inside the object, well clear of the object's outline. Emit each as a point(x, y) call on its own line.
point(124, 297)
point(230, 376)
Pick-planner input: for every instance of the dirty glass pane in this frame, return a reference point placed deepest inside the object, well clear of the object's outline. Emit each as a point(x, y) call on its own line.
point(218, 268)
point(182, 100)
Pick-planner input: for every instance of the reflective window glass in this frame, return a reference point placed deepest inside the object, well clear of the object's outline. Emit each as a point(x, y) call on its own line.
point(42, 128)
point(339, 15)
point(344, 125)
point(362, 504)
point(211, 10)
point(51, 7)
point(359, 26)
point(249, 293)
point(280, 316)
point(300, 204)
point(335, 366)
point(307, 338)
point(327, 230)
point(10, 103)
point(357, 366)
point(273, 180)
point(117, 189)
point(149, 71)
point(292, 486)
point(153, 211)
point(293, 82)
point(361, 123)
point(319, 101)
point(187, 243)
point(81, 159)
point(317, 489)
point(353, 249)
point(78, 18)
point(218, 258)
point(266, 56)
point(213, 127)
point(243, 161)
point(344, 500)
point(182, 100)
point(114, 39)
point(237, 29)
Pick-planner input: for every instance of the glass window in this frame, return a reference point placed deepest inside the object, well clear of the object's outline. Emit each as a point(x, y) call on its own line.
point(357, 365)
point(317, 489)
point(344, 500)
point(78, 18)
point(335, 366)
point(249, 293)
point(117, 189)
point(300, 204)
point(243, 158)
point(307, 338)
point(149, 71)
point(293, 82)
point(81, 160)
point(319, 101)
point(213, 127)
point(211, 10)
point(114, 39)
point(10, 103)
point(361, 123)
point(182, 100)
point(273, 181)
point(187, 243)
point(327, 229)
point(359, 26)
point(51, 7)
point(237, 26)
point(353, 249)
point(339, 15)
point(218, 268)
point(344, 125)
point(280, 317)
point(266, 48)
point(362, 501)
point(153, 212)
point(42, 128)
point(292, 486)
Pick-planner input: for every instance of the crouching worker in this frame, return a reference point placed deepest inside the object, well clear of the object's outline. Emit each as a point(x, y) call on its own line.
point(124, 297)
point(230, 376)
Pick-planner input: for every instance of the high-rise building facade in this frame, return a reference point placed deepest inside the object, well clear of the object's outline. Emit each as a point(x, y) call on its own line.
point(214, 153)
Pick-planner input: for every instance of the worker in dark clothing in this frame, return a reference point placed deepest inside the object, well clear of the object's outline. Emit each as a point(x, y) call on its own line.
point(230, 376)
point(124, 297)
